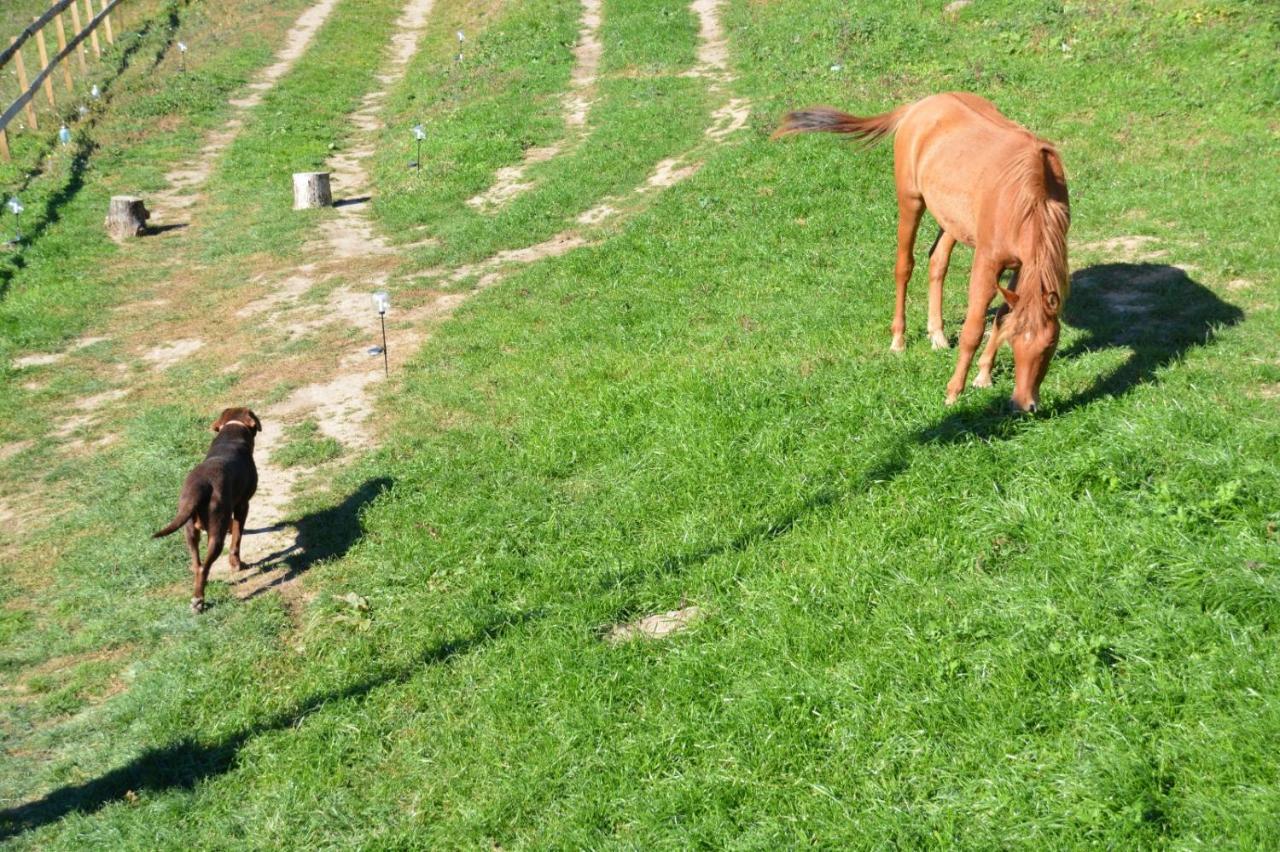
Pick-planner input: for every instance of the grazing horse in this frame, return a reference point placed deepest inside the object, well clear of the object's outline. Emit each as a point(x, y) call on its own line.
point(992, 185)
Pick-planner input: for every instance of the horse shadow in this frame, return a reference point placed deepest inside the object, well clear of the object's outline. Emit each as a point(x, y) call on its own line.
point(323, 535)
point(1156, 311)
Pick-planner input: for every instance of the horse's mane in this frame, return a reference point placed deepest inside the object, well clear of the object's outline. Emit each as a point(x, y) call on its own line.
point(1040, 204)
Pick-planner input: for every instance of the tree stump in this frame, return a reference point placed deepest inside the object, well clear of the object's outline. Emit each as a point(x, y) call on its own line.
point(126, 217)
point(311, 189)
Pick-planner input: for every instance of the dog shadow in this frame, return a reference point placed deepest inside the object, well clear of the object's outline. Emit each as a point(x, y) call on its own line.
point(323, 535)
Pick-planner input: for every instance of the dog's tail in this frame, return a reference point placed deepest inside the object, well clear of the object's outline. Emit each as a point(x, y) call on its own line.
point(870, 129)
point(187, 506)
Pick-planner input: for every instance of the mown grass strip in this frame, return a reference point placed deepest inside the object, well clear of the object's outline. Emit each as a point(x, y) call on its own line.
point(301, 122)
point(925, 627)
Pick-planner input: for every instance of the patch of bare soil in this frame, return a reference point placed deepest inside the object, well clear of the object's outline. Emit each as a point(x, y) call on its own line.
point(1125, 248)
point(171, 353)
point(657, 626)
point(11, 448)
point(40, 359)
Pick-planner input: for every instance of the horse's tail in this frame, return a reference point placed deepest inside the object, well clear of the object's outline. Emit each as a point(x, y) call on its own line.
point(188, 503)
point(870, 129)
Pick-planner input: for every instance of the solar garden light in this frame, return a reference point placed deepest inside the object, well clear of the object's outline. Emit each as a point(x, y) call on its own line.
point(461, 39)
point(16, 208)
point(95, 92)
point(64, 135)
point(418, 134)
point(382, 304)
point(182, 56)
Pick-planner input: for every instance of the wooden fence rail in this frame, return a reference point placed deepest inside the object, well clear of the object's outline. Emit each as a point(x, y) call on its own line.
point(35, 30)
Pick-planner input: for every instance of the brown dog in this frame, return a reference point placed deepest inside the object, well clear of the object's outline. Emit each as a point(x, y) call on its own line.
point(216, 495)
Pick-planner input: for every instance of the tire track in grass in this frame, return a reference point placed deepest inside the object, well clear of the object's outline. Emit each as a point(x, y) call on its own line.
point(192, 175)
point(509, 181)
point(731, 116)
point(340, 403)
point(186, 180)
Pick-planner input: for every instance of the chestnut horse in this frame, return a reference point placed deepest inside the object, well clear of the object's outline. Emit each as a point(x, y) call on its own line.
point(992, 185)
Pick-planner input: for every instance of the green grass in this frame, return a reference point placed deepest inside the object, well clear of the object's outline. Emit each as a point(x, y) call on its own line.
point(306, 446)
point(924, 627)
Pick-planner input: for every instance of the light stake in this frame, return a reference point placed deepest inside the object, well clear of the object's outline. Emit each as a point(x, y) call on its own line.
point(64, 135)
point(382, 304)
point(95, 92)
point(418, 134)
point(15, 207)
point(182, 57)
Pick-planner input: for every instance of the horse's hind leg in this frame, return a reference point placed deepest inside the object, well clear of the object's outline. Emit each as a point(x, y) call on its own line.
point(939, 259)
point(910, 209)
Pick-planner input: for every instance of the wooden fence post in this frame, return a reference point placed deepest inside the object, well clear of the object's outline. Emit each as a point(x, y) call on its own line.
point(22, 81)
point(4, 145)
point(106, 22)
point(44, 63)
point(62, 45)
point(93, 36)
point(75, 23)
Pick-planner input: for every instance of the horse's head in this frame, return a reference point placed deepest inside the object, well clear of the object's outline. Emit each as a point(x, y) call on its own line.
point(1033, 347)
point(1033, 333)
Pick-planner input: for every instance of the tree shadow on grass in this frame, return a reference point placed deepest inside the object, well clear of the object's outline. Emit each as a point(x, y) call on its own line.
point(327, 534)
point(186, 763)
point(1154, 310)
point(50, 212)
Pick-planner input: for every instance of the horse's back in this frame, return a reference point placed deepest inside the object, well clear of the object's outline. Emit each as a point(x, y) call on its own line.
point(952, 149)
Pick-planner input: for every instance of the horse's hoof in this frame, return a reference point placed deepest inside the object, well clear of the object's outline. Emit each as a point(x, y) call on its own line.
point(939, 341)
point(981, 381)
point(951, 398)
point(198, 605)
point(898, 345)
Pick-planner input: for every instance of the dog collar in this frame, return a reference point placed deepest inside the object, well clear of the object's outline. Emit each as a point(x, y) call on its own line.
point(237, 423)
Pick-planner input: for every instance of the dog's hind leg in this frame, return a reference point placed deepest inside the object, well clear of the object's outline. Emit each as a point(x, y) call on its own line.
point(193, 544)
point(217, 533)
point(237, 528)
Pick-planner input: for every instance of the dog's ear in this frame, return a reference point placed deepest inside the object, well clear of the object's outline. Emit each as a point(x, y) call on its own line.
point(220, 422)
point(257, 423)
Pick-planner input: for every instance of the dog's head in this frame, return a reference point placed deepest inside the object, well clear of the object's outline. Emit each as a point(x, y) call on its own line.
point(243, 416)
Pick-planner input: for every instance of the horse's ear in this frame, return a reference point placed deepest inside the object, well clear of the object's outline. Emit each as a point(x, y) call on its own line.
point(1010, 296)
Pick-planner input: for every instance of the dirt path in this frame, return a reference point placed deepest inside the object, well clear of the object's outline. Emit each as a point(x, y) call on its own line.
point(509, 182)
point(354, 256)
point(186, 180)
point(340, 404)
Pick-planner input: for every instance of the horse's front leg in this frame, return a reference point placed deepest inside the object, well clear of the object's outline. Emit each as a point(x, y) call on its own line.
point(999, 334)
point(910, 209)
point(982, 289)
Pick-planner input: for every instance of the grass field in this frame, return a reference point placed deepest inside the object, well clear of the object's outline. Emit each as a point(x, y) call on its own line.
point(919, 626)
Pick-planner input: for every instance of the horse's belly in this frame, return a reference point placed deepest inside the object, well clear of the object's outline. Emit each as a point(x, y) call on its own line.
point(952, 213)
